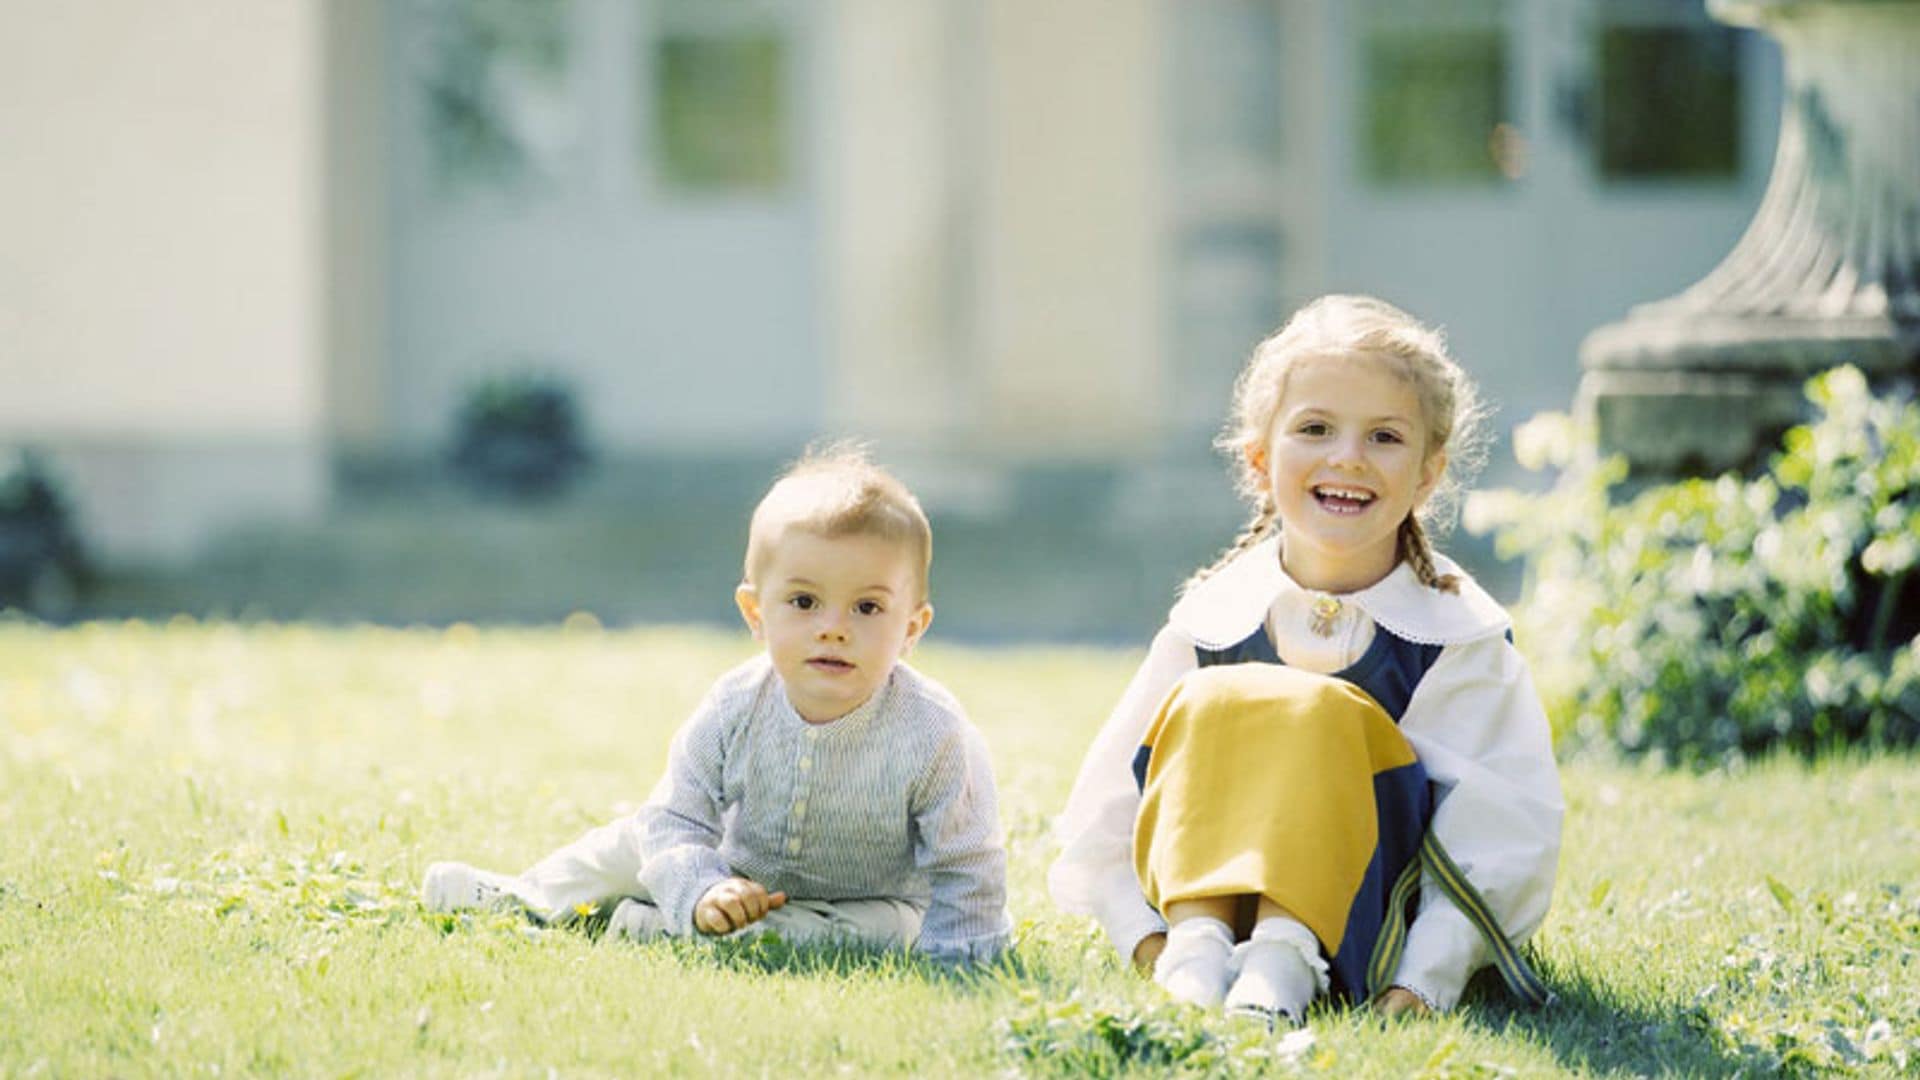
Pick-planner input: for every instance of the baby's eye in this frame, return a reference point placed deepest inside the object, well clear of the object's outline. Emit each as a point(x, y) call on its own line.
point(803, 601)
point(1314, 428)
point(1387, 435)
point(869, 607)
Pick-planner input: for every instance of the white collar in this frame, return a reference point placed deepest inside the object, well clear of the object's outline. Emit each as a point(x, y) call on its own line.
point(1224, 609)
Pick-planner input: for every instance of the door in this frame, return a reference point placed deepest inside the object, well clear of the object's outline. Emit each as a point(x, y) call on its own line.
point(619, 193)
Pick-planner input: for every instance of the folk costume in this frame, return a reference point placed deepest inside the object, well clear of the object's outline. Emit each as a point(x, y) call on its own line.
point(1376, 762)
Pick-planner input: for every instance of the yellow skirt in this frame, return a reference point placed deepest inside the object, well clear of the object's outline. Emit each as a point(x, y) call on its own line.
point(1259, 780)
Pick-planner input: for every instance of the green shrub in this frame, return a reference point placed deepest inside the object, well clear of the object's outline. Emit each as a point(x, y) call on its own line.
point(519, 435)
point(1724, 617)
point(43, 566)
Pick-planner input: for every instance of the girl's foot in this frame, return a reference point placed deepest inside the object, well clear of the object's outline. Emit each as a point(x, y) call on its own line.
point(1197, 963)
point(1280, 972)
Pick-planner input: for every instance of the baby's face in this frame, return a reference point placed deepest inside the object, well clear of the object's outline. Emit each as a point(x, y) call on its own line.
point(836, 613)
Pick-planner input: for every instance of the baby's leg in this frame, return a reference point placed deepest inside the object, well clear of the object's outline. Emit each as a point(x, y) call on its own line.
point(600, 867)
point(879, 923)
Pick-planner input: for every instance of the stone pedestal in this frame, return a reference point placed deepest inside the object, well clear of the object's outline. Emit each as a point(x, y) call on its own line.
point(1827, 273)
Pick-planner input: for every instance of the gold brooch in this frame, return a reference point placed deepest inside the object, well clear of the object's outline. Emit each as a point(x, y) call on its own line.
point(1325, 610)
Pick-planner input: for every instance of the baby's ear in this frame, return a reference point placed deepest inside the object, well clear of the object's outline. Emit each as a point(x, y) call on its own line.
point(747, 599)
point(917, 627)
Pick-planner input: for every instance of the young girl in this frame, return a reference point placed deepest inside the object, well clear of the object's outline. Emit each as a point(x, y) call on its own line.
point(1331, 774)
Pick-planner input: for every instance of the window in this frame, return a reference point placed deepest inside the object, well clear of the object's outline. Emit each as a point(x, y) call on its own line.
point(1228, 296)
point(493, 87)
point(1434, 91)
point(1668, 98)
point(1227, 258)
point(719, 100)
point(1226, 81)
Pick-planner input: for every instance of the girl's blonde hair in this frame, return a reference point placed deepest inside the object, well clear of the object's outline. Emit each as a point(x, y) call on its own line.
point(1346, 327)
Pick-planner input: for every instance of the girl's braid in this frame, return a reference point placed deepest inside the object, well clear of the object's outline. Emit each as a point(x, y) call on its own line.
point(1256, 530)
point(1418, 553)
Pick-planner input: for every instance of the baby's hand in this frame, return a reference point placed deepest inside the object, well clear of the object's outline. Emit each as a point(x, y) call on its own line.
point(732, 904)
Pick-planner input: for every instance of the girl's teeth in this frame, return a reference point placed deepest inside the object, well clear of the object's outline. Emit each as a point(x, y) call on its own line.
point(1342, 501)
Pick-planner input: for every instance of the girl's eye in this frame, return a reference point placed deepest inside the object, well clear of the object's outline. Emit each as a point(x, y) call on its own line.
point(869, 607)
point(803, 601)
point(1386, 435)
point(1314, 428)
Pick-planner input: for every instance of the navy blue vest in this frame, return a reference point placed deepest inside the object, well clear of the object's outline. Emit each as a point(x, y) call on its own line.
point(1388, 671)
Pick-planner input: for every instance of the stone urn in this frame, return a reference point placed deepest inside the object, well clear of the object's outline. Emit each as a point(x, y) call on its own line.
point(1827, 273)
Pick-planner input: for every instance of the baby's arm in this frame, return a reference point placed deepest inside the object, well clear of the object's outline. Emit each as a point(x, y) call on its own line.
point(1094, 874)
point(956, 820)
point(680, 827)
point(1477, 724)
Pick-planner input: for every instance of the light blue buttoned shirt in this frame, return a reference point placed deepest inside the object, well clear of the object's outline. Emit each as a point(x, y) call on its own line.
point(894, 800)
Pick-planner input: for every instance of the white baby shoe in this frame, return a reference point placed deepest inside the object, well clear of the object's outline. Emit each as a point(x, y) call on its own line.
point(454, 886)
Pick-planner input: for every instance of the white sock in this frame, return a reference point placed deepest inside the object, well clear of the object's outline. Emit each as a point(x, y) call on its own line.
point(1198, 961)
point(1280, 970)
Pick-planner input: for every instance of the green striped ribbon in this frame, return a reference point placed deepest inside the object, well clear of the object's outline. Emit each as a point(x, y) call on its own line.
point(1393, 935)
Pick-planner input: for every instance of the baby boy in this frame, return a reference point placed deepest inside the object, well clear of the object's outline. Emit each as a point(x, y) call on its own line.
point(823, 789)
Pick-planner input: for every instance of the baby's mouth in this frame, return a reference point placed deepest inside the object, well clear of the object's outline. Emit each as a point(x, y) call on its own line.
point(1342, 500)
point(831, 664)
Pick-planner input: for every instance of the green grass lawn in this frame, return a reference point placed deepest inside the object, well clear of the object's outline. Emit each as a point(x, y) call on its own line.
point(213, 833)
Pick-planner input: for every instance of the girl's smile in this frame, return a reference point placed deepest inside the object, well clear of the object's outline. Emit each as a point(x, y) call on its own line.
point(1343, 500)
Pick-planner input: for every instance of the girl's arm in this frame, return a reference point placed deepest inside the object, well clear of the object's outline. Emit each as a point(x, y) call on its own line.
point(956, 822)
point(1478, 727)
point(1094, 874)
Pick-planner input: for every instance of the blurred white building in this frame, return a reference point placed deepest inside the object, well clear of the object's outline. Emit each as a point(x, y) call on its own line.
point(243, 242)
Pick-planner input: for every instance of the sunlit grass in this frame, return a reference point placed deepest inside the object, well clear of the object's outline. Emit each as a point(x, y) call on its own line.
point(212, 836)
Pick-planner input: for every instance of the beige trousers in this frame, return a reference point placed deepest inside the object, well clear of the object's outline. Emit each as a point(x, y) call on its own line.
point(602, 868)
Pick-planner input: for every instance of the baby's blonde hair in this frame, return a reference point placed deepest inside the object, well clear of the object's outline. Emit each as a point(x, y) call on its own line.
point(832, 491)
point(1344, 327)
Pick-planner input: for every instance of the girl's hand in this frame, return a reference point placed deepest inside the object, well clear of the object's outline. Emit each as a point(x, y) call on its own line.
point(1149, 949)
point(733, 904)
point(1397, 1001)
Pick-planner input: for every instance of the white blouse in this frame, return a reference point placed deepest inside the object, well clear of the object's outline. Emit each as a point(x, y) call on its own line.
point(1474, 720)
